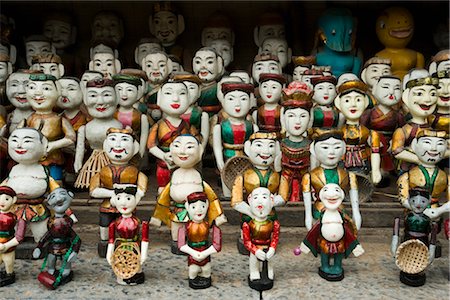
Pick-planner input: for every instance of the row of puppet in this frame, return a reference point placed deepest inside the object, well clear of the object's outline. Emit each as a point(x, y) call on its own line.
point(335, 38)
point(192, 210)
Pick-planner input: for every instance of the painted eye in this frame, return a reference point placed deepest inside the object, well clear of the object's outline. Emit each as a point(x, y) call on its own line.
point(382, 25)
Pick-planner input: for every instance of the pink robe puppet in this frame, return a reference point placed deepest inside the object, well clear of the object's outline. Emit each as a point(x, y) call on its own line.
point(130, 86)
point(193, 239)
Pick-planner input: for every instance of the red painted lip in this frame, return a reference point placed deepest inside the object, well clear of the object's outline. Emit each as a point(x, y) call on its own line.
point(391, 97)
point(156, 74)
point(331, 157)
point(204, 73)
point(425, 107)
point(237, 109)
point(353, 111)
point(264, 156)
point(297, 127)
point(183, 157)
point(21, 99)
point(124, 98)
point(325, 97)
point(118, 150)
point(124, 208)
point(65, 99)
point(269, 96)
point(101, 109)
point(332, 201)
point(445, 99)
point(175, 105)
point(21, 151)
point(260, 207)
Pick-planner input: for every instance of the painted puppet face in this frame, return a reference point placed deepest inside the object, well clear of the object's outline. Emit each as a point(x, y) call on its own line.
point(418, 203)
point(26, 146)
point(430, 150)
point(16, 89)
point(173, 98)
point(330, 151)
point(165, 27)
point(265, 66)
point(324, 93)
point(125, 203)
point(127, 94)
point(421, 100)
point(197, 210)
point(119, 147)
point(59, 200)
point(261, 202)
point(207, 66)
point(42, 95)
point(157, 67)
point(352, 105)
point(71, 94)
point(278, 47)
point(331, 196)
point(101, 102)
point(262, 152)
point(185, 151)
point(236, 104)
point(105, 63)
point(270, 91)
point(296, 121)
point(388, 91)
point(298, 72)
point(6, 202)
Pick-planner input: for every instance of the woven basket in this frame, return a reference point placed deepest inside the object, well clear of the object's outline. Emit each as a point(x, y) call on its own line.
point(126, 260)
point(412, 256)
point(234, 167)
point(365, 188)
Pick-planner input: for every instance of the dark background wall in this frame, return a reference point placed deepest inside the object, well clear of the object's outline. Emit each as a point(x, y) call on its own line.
point(300, 17)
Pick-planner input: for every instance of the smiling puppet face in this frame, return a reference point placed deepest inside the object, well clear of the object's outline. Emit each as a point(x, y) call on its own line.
point(331, 196)
point(186, 151)
point(26, 145)
point(119, 147)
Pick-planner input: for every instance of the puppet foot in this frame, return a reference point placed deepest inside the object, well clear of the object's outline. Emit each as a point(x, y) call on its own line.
point(7, 278)
point(138, 278)
point(329, 276)
point(413, 279)
point(66, 278)
point(200, 283)
point(262, 284)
